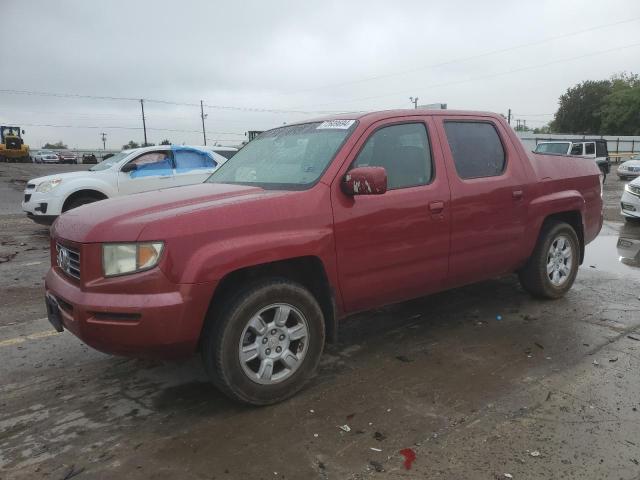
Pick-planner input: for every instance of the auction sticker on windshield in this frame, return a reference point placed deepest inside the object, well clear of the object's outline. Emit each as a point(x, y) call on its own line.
point(336, 124)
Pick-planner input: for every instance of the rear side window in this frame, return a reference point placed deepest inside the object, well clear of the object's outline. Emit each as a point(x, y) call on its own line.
point(476, 148)
point(589, 148)
point(601, 149)
point(404, 152)
point(187, 160)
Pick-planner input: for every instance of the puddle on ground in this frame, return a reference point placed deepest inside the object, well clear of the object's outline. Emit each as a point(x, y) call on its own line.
point(616, 250)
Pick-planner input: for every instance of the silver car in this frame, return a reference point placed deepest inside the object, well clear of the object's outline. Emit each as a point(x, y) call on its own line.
point(46, 156)
point(630, 168)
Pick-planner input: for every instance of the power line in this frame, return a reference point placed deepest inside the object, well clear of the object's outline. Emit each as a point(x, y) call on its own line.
point(465, 59)
point(122, 127)
point(159, 101)
point(493, 75)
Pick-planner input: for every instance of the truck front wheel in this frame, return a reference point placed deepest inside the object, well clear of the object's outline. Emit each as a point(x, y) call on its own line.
point(265, 343)
point(553, 266)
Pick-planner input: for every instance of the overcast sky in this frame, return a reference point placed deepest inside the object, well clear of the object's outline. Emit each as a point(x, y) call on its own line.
point(303, 57)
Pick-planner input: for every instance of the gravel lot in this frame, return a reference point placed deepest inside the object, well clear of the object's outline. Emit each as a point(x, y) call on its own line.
point(552, 390)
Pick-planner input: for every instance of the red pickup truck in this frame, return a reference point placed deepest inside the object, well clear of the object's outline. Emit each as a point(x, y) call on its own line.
point(309, 223)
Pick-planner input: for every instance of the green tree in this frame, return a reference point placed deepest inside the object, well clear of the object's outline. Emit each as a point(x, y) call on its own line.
point(165, 142)
point(580, 109)
point(542, 129)
point(131, 144)
point(621, 110)
point(55, 146)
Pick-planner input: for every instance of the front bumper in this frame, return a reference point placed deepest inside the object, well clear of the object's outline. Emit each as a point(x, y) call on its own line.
point(630, 205)
point(125, 319)
point(36, 204)
point(627, 174)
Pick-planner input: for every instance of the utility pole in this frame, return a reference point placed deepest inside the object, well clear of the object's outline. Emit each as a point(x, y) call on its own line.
point(144, 124)
point(414, 101)
point(104, 140)
point(203, 116)
point(509, 117)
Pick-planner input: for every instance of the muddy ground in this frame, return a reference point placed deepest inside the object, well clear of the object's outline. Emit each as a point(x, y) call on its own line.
point(479, 382)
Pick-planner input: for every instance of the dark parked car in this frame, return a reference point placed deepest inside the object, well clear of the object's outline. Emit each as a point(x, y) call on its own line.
point(89, 158)
point(68, 157)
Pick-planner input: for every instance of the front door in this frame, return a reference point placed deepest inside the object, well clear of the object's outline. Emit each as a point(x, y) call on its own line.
point(394, 246)
point(154, 170)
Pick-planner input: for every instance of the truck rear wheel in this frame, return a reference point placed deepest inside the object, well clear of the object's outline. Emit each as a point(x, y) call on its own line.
point(263, 345)
point(553, 266)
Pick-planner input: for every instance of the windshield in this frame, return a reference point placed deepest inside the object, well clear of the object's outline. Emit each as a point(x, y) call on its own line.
point(109, 162)
point(291, 157)
point(559, 148)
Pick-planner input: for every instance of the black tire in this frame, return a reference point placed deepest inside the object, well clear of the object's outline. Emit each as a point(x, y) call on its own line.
point(533, 276)
point(78, 201)
point(225, 327)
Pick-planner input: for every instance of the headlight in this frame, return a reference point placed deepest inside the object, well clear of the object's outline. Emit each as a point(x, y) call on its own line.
point(123, 258)
point(632, 189)
point(49, 185)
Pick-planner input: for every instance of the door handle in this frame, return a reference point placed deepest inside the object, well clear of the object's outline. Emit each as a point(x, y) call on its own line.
point(436, 207)
point(517, 194)
point(165, 177)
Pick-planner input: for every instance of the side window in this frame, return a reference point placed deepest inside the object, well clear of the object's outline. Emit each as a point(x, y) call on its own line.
point(187, 160)
point(476, 148)
point(576, 149)
point(152, 164)
point(589, 148)
point(403, 150)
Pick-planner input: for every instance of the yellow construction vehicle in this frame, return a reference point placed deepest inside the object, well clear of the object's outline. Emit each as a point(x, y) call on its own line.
point(12, 147)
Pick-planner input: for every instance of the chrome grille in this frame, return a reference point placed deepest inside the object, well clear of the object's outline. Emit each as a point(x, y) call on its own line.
point(68, 260)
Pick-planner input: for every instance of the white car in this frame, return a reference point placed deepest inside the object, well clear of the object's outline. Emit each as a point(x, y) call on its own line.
point(46, 156)
point(130, 171)
point(630, 168)
point(630, 201)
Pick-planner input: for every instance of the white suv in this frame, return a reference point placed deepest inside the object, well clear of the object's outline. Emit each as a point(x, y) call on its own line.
point(130, 171)
point(596, 149)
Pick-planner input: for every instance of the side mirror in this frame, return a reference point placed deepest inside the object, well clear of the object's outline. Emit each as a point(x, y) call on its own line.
point(365, 181)
point(129, 167)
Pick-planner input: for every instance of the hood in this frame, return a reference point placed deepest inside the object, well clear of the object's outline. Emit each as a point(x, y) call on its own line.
point(631, 163)
point(635, 182)
point(63, 176)
point(124, 218)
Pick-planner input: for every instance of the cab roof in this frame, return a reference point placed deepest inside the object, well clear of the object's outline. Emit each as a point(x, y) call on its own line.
point(372, 117)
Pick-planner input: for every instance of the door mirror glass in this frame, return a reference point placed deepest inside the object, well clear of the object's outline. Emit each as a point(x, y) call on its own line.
point(129, 167)
point(365, 181)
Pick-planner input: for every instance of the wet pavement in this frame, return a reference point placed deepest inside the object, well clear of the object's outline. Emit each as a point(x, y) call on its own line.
point(478, 382)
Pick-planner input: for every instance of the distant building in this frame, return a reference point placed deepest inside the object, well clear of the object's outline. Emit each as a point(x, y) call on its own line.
point(251, 134)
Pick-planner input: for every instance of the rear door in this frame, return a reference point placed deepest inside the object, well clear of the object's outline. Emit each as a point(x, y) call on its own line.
point(154, 171)
point(394, 246)
point(192, 165)
point(488, 213)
